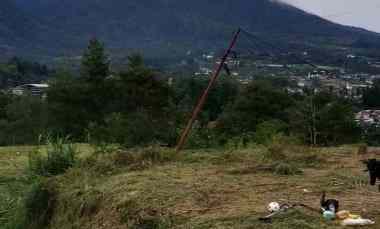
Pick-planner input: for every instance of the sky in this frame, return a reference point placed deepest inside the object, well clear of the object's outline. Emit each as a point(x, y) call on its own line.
point(360, 13)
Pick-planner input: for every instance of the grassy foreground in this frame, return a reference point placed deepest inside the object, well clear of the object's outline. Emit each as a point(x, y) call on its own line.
point(154, 188)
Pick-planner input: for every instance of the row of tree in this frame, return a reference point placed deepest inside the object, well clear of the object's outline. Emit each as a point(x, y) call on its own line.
point(140, 106)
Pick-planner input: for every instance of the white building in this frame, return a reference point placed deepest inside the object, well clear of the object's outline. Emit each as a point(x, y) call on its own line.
point(31, 89)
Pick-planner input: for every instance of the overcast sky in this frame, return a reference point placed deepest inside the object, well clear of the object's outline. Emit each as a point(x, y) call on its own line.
point(361, 13)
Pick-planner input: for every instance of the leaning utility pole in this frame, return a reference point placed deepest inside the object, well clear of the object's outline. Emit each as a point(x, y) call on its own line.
point(202, 100)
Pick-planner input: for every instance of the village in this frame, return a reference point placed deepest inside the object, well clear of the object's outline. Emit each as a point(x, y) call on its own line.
point(339, 81)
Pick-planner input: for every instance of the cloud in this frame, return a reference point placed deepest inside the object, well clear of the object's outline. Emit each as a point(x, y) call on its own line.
point(362, 13)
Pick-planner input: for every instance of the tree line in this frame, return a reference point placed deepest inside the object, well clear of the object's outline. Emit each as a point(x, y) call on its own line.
point(139, 106)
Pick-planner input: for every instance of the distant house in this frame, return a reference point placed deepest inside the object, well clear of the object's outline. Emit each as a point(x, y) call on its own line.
point(31, 89)
point(368, 117)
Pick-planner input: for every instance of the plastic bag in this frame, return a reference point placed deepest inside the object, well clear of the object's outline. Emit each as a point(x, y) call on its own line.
point(357, 222)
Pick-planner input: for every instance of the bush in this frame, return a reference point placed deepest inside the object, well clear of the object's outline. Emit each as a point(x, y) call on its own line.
point(60, 156)
point(267, 131)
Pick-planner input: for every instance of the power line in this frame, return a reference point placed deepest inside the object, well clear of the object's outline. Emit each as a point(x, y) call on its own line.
point(280, 50)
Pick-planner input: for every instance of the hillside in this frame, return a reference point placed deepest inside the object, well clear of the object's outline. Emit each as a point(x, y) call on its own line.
point(164, 26)
point(199, 189)
point(15, 27)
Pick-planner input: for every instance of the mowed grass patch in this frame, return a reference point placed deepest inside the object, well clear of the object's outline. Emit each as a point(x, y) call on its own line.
point(204, 189)
point(198, 190)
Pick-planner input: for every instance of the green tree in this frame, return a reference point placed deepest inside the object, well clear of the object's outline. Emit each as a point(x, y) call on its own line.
point(26, 118)
point(96, 89)
point(140, 104)
point(337, 124)
point(141, 89)
point(188, 91)
point(95, 63)
point(5, 99)
point(257, 103)
point(322, 119)
point(371, 96)
point(67, 98)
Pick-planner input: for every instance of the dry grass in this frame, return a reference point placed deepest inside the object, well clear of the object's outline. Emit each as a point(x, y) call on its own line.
point(214, 190)
point(206, 190)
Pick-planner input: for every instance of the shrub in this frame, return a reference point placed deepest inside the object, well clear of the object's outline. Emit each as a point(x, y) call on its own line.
point(60, 156)
point(267, 131)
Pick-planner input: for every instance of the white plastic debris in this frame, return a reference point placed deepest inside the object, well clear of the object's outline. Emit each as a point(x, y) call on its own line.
point(357, 222)
point(273, 207)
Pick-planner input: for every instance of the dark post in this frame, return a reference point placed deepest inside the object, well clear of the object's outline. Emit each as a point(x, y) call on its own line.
point(202, 100)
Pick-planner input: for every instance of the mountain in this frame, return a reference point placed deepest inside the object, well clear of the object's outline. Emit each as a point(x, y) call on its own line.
point(53, 27)
point(15, 27)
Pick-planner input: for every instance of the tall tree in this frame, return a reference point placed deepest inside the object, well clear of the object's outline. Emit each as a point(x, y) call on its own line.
point(141, 88)
point(95, 63)
point(95, 89)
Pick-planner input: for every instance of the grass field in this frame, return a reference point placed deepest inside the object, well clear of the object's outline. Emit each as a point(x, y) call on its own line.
point(204, 188)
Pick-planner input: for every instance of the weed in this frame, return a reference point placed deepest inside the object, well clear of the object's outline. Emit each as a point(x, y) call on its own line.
point(60, 156)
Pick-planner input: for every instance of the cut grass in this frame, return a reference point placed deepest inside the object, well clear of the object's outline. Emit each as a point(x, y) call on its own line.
point(15, 181)
point(210, 189)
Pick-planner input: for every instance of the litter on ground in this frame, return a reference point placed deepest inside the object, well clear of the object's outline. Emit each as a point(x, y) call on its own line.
point(328, 209)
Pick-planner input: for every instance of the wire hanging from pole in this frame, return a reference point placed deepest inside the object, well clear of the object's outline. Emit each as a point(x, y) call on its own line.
point(202, 100)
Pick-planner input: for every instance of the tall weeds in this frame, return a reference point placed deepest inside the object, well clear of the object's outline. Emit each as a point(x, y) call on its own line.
point(60, 155)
